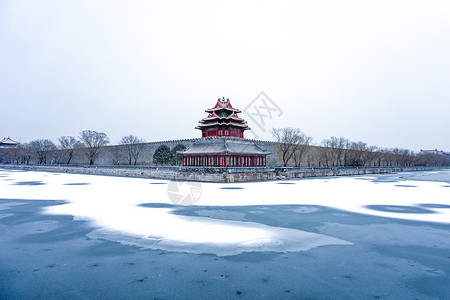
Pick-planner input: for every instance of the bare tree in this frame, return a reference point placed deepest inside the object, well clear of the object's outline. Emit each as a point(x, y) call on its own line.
point(287, 139)
point(357, 154)
point(371, 155)
point(325, 156)
point(93, 140)
point(336, 150)
point(42, 148)
point(133, 147)
point(26, 152)
point(303, 142)
point(68, 144)
point(311, 156)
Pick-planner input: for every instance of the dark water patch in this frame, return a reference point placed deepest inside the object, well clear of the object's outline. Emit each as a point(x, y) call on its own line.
point(285, 182)
point(68, 230)
point(301, 217)
point(384, 181)
point(405, 185)
point(157, 205)
point(431, 205)
point(251, 257)
point(29, 211)
point(104, 248)
point(29, 183)
point(231, 188)
point(157, 182)
point(77, 183)
point(441, 186)
point(400, 209)
point(436, 287)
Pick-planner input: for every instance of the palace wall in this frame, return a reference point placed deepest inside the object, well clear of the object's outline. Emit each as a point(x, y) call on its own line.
point(111, 155)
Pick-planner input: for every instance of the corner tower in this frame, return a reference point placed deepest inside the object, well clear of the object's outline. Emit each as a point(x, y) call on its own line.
point(223, 120)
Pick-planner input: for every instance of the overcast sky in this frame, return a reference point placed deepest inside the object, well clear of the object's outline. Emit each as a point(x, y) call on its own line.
point(375, 71)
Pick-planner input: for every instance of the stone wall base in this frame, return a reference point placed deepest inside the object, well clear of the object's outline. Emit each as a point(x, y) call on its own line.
point(186, 175)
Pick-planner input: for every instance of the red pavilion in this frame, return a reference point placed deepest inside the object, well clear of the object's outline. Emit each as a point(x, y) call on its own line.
point(223, 143)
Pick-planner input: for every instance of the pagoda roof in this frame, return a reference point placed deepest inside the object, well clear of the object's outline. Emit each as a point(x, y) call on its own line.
point(243, 125)
point(213, 116)
point(223, 104)
point(8, 142)
point(224, 146)
point(230, 118)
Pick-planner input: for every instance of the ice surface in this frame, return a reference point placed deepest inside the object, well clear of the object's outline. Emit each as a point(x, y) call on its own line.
point(115, 206)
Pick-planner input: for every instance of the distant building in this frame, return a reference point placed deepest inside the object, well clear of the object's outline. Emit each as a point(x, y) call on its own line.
point(435, 152)
point(8, 143)
point(223, 143)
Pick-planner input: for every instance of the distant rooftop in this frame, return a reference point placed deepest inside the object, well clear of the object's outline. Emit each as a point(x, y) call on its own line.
point(434, 151)
point(8, 142)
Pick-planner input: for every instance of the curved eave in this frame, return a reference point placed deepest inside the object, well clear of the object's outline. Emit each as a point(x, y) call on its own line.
point(244, 126)
point(222, 118)
point(211, 110)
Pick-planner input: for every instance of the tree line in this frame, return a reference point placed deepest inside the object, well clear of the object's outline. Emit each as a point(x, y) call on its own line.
point(294, 148)
point(89, 143)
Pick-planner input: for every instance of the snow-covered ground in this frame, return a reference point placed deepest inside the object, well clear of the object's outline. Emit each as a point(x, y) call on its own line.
point(140, 211)
point(65, 236)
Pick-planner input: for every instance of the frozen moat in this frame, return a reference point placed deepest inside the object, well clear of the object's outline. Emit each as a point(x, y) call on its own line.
point(67, 236)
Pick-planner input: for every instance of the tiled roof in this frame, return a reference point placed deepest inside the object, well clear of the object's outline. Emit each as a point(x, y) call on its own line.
point(224, 146)
point(244, 125)
point(8, 141)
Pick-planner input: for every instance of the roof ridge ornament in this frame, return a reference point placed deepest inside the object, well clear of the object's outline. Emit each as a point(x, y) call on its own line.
point(222, 102)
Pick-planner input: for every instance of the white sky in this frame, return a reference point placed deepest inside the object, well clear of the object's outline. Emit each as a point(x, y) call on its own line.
point(376, 71)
